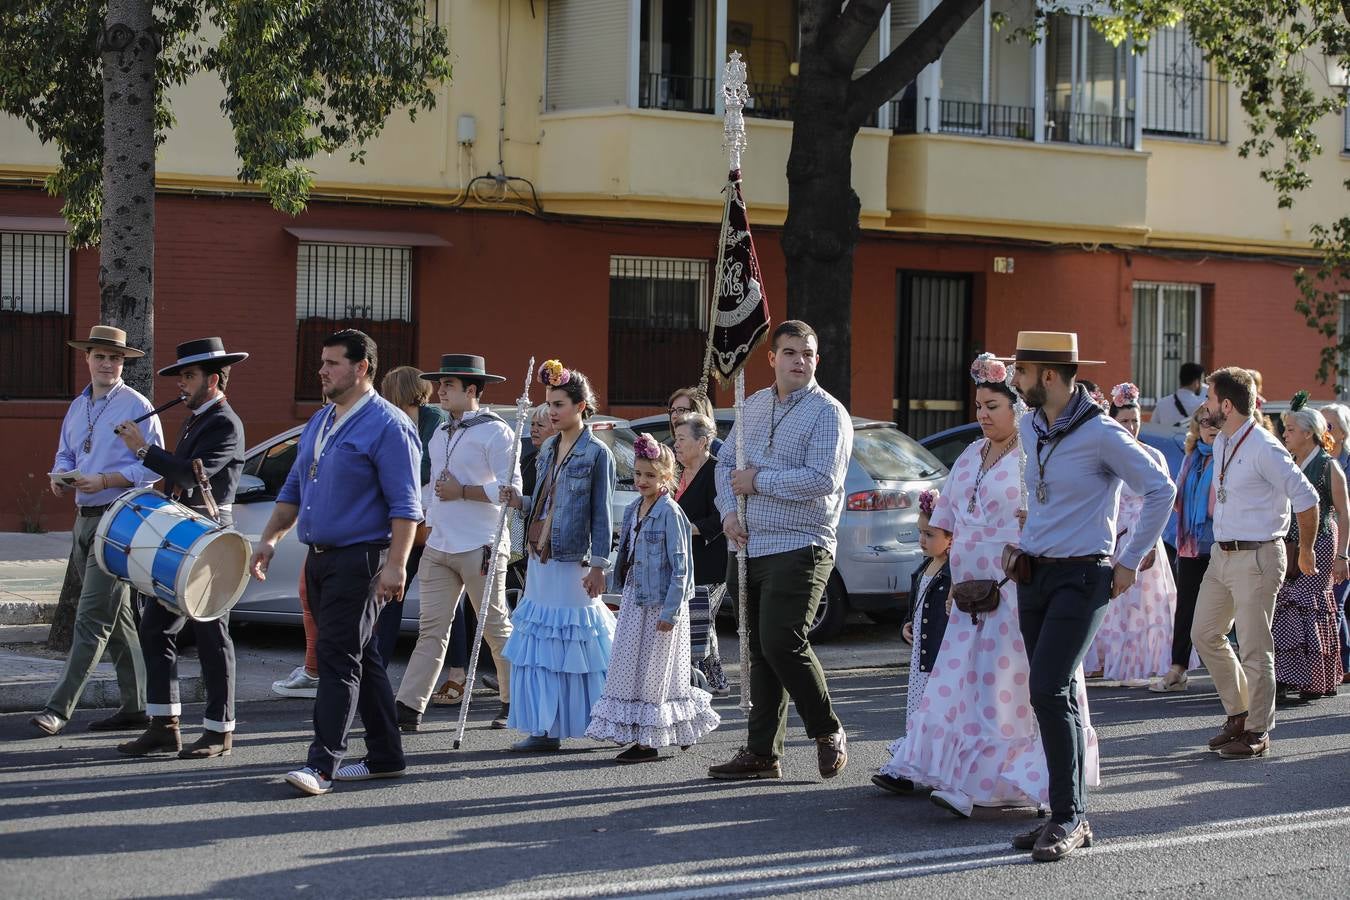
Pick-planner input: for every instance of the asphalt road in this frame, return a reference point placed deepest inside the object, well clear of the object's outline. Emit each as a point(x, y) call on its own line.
point(77, 821)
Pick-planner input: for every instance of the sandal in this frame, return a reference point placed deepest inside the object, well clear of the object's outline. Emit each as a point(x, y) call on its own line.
point(448, 694)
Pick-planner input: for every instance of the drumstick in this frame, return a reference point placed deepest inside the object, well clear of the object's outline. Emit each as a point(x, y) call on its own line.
point(154, 412)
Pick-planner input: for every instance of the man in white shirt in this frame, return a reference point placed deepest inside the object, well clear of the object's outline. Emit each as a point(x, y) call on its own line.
point(1255, 484)
point(471, 457)
point(1175, 410)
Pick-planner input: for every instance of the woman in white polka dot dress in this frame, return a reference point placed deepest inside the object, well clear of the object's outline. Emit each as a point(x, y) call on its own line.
point(974, 738)
point(649, 700)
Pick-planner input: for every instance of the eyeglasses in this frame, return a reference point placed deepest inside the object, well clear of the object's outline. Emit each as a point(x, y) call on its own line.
point(674, 410)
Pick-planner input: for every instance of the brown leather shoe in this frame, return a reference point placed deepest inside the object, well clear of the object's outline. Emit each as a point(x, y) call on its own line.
point(1231, 729)
point(161, 737)
point(121, 721)
point(1057, 841)
point(211, 744)
point(832, 753)
point(1028, 840)
point(1247, 745)
point(746, 765)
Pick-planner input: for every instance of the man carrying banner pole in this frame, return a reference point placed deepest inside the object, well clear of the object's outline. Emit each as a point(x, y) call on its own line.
point(782, 498)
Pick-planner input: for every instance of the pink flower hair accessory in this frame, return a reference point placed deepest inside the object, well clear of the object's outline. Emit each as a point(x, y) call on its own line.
point(1099, 398)
point(1126, 394)
point(646, 447)
point(928, 501)
point(989, 369)
point(554, 374)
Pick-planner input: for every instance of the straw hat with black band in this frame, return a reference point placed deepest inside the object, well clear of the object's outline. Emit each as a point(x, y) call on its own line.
point(106, 337)
point(1053, 348)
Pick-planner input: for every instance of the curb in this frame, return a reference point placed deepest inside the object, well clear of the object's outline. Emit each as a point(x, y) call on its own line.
point(100, 693)
point(26, 612)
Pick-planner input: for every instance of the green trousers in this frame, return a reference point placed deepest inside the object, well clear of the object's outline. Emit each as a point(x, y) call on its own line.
point(783, 591)
point(103, 619)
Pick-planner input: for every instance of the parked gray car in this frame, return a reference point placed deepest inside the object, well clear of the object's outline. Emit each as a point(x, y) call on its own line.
point(879, 529)
point(265, 468)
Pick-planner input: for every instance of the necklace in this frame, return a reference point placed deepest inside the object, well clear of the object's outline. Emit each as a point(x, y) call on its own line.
point(93, 420)
point(778, 420)
point(985, 466)
point(1222, 494)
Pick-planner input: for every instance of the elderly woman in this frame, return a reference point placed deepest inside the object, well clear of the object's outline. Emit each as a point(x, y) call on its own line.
point(687, 401)
point(1195, 540)
point(696, 494)
point(1304, 627)
point(1338, 426)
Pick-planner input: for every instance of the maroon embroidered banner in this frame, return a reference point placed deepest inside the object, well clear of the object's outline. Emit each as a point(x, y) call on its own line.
point(741, 313)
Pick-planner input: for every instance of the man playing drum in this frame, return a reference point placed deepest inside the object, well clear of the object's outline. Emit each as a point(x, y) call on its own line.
point(91, 459)
point(213, 434)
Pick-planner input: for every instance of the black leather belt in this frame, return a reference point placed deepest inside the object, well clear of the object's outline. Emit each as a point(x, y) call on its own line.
point(328, 548)
point(1053, 560)
point(1232, 546)
point(93, 512)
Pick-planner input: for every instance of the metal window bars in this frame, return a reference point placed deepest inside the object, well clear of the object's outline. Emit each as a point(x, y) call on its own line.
point(35, 316)
point(657, 326)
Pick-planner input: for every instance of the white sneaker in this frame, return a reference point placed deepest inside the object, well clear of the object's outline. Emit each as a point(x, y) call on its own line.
point(954, 803)
point(298, 684)
point(308, 781)
point(359, 771)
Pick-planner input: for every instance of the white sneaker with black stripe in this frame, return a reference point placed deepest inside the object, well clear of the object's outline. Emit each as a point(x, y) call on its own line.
point(309, 781)
point(359, 771)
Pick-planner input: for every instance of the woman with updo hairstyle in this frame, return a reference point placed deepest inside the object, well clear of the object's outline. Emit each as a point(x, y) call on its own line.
point(973, 739)
point(1305, 626)
point(562, 633)
point(1134, 643)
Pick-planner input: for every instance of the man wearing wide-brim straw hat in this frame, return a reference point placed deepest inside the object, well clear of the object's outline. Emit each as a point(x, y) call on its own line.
point(1076, 460)
point(94, 461)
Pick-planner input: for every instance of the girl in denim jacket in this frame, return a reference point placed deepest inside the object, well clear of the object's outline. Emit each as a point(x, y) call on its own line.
point(649, 700)
point(561, 632)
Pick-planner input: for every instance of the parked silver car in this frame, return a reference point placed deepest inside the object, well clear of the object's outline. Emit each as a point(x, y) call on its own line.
point(879, 529)
point(265, 468)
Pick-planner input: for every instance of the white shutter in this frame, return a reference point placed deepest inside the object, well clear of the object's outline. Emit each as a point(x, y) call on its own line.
point(587, 52)
point(963, 62)
point(349, 281)
point(33, 273)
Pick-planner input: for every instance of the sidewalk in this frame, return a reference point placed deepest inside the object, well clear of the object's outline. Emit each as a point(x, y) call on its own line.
point(32, 568)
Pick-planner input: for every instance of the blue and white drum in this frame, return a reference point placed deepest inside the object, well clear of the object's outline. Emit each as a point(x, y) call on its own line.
point(192, 565)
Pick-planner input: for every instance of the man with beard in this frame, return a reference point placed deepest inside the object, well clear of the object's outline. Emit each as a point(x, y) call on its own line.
point(214, 435)
point(1077, 459)
point(355, 490)
point(1256, 483)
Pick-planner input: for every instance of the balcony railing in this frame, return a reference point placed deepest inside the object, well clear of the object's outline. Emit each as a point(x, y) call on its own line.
point(1183, 95)
point(687, 93)
point(964, 117)
point(1095, 129)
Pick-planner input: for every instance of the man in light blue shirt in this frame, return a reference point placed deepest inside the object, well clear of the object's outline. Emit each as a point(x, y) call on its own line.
point(355, 489)
point(1077, 459)
point(98, 465)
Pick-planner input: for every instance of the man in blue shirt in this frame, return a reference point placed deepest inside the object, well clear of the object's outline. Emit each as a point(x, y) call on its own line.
point(355, 491)
point(1077, 459)
point(95, 462)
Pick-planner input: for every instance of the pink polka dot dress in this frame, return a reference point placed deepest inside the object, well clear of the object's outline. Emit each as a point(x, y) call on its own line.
point(975, 733)
point(1134, 642)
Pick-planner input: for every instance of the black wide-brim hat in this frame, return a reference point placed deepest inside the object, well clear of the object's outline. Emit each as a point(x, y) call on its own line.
point(462, 365)
point(203, 352)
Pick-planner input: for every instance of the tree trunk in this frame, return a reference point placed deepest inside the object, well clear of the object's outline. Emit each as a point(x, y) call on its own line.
point(130, 48)
point(821, 230)
point(63, 621)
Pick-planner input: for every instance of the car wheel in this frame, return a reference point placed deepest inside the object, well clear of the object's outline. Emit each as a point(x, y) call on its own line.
point(888, 616)
point(832, 611)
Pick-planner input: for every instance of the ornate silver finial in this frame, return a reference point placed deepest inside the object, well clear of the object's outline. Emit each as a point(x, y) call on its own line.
point(735, 96)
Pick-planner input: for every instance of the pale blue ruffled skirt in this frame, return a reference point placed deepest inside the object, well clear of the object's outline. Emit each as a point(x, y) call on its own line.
point(559, 651)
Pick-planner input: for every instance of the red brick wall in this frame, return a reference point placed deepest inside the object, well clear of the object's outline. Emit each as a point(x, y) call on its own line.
point(511, 285)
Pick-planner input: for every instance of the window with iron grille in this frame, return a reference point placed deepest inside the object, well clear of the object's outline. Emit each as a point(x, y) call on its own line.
point(1166, 334)
point(658, 319)
point(35, 319)
point(1343, 367)
point(1183, 95)
point(352, 286)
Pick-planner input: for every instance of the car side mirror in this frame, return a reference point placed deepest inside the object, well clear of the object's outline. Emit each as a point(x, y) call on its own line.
point(251, 489)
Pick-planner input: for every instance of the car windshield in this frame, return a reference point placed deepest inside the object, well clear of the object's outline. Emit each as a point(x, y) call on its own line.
point(888, 454)
point(620, 443)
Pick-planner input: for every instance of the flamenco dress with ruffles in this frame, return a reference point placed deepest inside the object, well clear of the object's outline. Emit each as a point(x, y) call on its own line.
point(974, 734)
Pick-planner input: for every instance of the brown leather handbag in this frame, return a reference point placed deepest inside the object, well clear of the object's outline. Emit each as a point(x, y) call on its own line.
point(977, 596)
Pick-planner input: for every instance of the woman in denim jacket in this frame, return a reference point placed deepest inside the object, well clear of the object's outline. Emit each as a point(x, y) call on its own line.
point(649, 701)
point(562, 633)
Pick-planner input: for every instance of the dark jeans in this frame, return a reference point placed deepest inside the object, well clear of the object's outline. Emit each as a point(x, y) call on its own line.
point(352, 678)
point(1190, 572)
point(783, 592)
point(159, 630)
point(1060, 611)
point(391, 617)
point(1342, 594)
